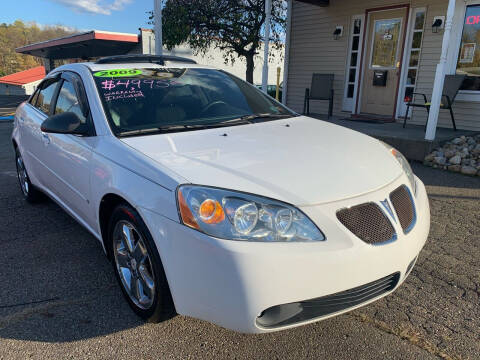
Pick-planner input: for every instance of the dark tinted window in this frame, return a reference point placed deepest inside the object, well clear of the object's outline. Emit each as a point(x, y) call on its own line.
point(68, 101)
point(45, 96)
point(152, 98)
point(34, 98)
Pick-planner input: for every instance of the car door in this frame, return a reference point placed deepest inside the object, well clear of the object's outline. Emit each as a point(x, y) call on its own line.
point(32, 139)
point(68, 156)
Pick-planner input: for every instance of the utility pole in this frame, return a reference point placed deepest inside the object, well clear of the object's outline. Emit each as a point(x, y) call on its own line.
point(157, 18)
point(266, 43)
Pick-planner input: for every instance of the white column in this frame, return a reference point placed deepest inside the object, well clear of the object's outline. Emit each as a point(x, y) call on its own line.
point(157, 18)
point(266, 43)
point(287, 52)
point(440, 75)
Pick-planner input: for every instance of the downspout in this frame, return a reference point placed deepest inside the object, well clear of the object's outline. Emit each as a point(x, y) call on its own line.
point(286, 62)
point(440, 75)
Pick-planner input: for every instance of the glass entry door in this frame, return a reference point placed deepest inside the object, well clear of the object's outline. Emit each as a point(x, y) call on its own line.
point(383, 58)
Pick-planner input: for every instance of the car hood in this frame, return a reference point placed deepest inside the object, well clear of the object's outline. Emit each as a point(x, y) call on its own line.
point(300, 160)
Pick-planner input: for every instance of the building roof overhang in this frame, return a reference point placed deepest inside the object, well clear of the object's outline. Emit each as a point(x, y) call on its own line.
point(322, 3)
point(85, 45)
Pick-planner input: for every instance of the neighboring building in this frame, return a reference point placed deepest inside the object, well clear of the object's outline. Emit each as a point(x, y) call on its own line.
point(94, 44)
point(214, 57)
point(23, 82)
point(400, 38)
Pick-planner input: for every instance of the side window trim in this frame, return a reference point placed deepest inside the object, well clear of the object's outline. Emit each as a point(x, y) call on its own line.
point(81, 94)
point(41, 86)
point(53, 104)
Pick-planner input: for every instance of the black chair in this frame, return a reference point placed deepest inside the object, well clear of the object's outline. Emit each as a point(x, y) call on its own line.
point(321, 89)
point(450, 92)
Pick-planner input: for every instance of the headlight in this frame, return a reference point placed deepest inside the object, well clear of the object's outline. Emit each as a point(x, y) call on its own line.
point(405, 165)
point(234, 215)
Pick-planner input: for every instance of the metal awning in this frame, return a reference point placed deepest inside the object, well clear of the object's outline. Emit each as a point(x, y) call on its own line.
point(86, 45)
point(322, 3)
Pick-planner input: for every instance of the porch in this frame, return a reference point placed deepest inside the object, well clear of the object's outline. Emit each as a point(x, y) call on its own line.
point(409, 45)
point(409, 141)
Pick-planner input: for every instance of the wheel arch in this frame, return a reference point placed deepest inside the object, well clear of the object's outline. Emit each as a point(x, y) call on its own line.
point(108, 203)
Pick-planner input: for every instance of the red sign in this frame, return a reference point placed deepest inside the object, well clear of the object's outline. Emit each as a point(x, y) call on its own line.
point(473, 20)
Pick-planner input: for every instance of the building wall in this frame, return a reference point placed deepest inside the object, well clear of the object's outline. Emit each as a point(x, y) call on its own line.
point(313, 49)
point(8, 89)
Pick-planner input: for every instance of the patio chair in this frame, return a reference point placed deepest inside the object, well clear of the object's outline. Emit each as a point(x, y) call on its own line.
point(450, 90)
point(321, 89)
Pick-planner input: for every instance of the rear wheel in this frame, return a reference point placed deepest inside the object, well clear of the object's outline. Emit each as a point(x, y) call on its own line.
point(138, 267)
point(30, 193)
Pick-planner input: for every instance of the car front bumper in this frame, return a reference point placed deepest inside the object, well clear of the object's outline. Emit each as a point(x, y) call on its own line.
point(232, 283)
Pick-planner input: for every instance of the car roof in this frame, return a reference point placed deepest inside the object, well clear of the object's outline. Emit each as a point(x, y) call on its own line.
point(138, 65)
point(143, 65)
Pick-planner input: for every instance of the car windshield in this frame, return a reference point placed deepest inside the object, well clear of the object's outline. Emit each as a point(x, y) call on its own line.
point(149, 100)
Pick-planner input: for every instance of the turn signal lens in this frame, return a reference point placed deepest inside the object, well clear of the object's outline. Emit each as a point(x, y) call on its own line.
point(185, 213)
point(211, 212)
point(402, 160)
point(232, 215)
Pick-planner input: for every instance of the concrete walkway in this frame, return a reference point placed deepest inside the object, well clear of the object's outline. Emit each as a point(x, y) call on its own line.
point(410, 141)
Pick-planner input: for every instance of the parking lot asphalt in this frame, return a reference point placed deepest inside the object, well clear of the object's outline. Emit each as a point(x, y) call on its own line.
point(59, 297)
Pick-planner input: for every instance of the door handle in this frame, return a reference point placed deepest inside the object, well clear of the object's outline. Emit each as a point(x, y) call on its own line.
point(46, 138)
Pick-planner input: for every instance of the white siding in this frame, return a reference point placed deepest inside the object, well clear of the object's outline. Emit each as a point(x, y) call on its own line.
point(313, 49)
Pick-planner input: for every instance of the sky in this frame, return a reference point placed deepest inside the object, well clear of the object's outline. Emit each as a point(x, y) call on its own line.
point(110, 15)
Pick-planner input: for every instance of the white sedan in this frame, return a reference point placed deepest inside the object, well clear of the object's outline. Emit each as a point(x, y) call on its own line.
point(214, 201)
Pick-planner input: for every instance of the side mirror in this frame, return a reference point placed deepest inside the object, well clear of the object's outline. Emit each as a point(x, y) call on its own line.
point(64, 123)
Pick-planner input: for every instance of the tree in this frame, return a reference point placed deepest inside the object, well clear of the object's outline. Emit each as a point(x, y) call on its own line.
point(233, 26)
point(19, 34)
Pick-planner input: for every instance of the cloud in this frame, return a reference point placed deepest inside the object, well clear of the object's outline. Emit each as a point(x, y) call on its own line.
point(102, 7)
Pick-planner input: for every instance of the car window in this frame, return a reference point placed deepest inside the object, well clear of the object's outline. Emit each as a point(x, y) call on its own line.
point(68, 101)
point(34, 98)
point(45, 96)
point(150, 98)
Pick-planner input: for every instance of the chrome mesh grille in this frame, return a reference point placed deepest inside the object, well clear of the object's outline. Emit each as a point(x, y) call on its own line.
point(368, 222)
point(402, 202)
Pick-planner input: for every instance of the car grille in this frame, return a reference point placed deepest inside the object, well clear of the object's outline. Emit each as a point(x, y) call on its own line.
point(368, 222)
point(283, 315)
point(404, 207)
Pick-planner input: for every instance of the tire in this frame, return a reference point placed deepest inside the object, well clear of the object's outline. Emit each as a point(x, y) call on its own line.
point(137, 266)
point(29, 192)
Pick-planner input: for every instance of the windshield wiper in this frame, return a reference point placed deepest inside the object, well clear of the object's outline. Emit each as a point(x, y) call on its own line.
point(156, 130)
point(246, 119)
point(251, 118)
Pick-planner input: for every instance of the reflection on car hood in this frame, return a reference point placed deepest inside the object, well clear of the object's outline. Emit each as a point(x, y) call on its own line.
point(300, 160)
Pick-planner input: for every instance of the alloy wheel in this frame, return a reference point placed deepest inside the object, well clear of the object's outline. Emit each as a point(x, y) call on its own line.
point(22, 176)
point(133, 264)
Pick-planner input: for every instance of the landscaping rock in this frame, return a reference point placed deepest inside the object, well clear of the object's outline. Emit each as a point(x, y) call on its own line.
point(455, 168)
point(458, 141)
point(440, 160)
point(462, 154)
point(468, 170)
point(457, 159)
point(449, 153)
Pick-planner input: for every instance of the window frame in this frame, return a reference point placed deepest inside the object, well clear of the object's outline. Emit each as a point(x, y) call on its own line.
point(349, 103)
point(56, 80)
point(77, 83)
point(401, 107)
point(452, 57)
point(399, 44)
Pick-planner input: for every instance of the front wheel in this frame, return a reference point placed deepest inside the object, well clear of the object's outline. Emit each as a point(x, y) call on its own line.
point(138, 267)
point(30, 193)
